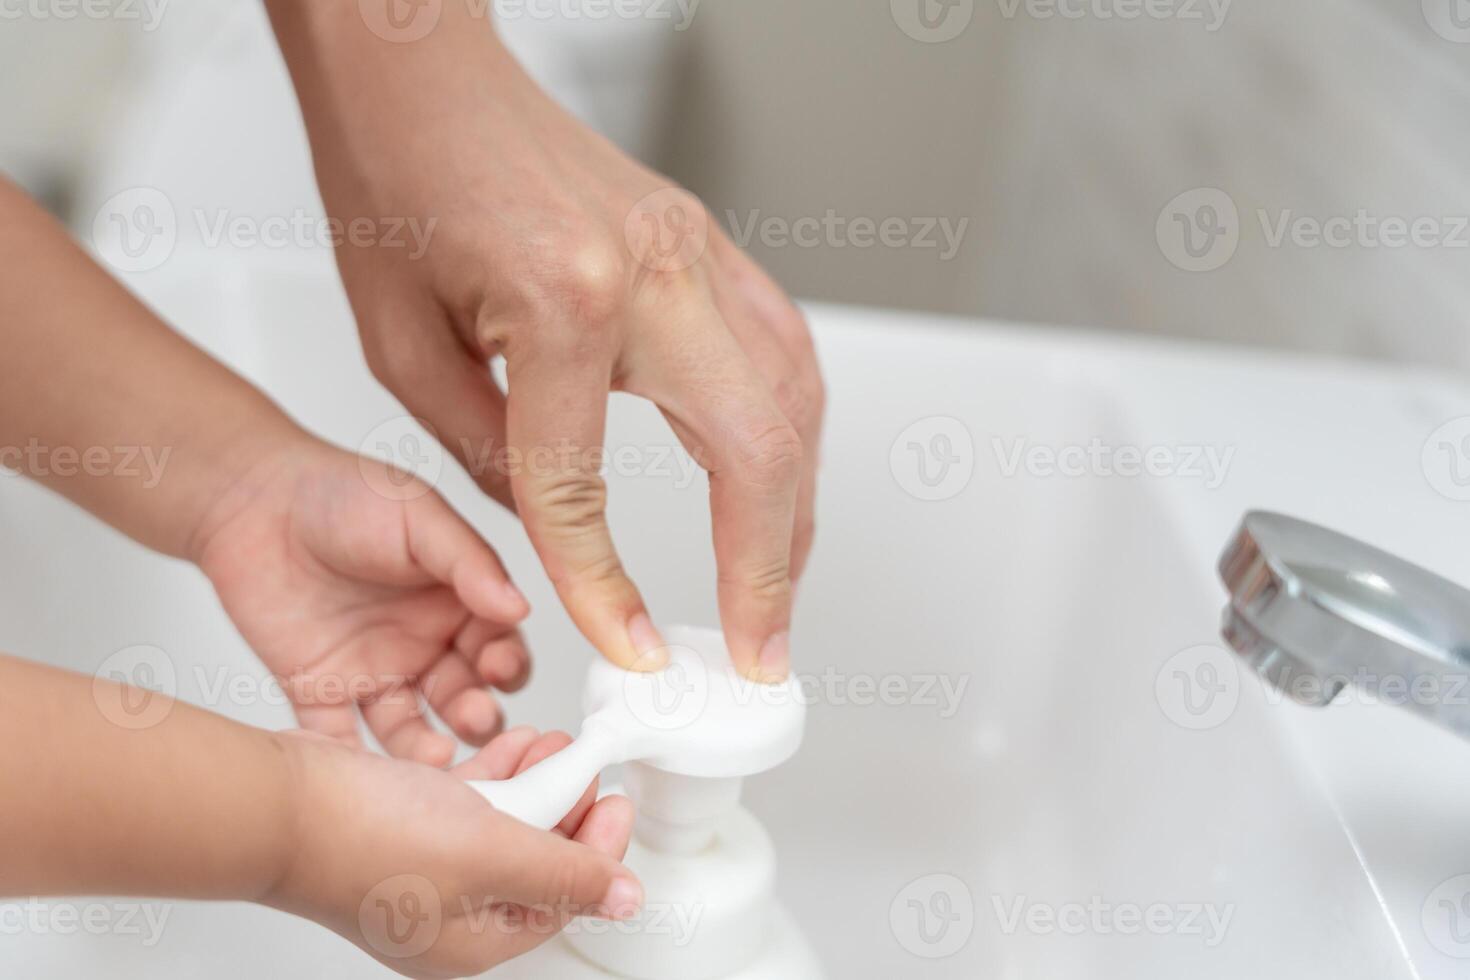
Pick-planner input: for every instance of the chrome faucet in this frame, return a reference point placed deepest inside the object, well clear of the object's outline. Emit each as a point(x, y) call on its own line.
point(1313, 611)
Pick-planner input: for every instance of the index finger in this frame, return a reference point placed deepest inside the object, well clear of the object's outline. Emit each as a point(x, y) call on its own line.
point(556, 413)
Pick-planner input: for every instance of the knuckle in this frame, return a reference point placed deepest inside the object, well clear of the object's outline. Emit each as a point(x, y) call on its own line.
point(575, 883)
point(596, 571)
point(571, 502)
point(585, 279)
point(802, 400)
point(768, 580)
point(770, 456)
point(593, 282)
point(777, 312)
point(567, 302)
point(668, 229)
point(566, 879)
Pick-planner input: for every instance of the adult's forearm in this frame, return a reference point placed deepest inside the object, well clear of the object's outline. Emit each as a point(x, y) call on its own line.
point(358, 86)
point(114, 790)
point(102, 402)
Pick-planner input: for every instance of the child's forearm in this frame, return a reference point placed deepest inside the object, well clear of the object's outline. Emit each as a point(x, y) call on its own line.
point(135, 797)
point(103, 403)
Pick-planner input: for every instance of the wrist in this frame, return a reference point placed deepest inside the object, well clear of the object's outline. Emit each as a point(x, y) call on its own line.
point(354, 76)
point(326, 864)
point(287, 890)
point(245, 462)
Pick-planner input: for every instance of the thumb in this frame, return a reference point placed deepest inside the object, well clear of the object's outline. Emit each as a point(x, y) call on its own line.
point(546, 872)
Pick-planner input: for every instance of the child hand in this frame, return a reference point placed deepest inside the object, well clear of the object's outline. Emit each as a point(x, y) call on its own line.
point(360, 598)
point(423, 874)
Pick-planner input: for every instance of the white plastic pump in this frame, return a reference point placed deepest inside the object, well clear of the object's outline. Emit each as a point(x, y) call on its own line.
point(687, 735)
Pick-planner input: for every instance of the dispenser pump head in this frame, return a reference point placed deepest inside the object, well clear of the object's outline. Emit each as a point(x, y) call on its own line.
point(696, 717)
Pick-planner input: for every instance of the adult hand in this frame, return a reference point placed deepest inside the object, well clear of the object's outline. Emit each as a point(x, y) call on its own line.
point(588, 273)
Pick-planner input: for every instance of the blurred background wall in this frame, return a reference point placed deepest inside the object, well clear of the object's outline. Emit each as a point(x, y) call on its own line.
point(1267, 172)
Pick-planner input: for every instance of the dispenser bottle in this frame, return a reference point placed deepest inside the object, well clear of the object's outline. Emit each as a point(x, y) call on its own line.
point(687, 736)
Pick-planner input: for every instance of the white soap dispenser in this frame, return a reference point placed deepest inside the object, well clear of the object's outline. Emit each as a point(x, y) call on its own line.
point(687, 735)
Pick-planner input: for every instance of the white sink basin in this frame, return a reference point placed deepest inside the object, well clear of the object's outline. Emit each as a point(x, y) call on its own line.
point(1012, 769)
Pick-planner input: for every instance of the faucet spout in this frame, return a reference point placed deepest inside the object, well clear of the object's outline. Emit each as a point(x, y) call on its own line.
point(1313, 611)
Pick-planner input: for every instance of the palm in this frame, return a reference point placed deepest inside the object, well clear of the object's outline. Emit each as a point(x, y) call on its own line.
point(357, 597)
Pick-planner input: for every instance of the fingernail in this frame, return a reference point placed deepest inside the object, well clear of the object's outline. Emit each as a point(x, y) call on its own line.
point(623, 899)
point(647, 643)
point(775, 657)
